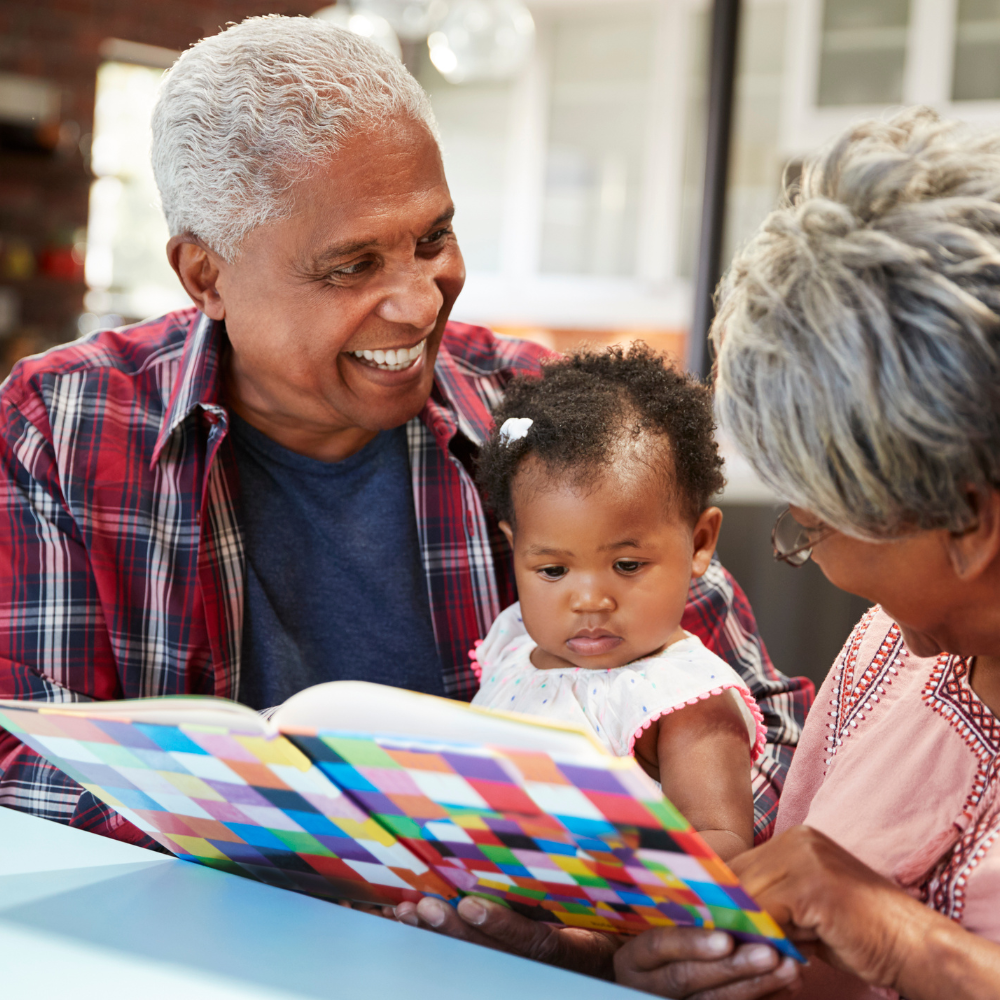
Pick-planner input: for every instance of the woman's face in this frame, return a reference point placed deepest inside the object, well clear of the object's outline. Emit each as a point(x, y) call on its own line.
point(911, 577)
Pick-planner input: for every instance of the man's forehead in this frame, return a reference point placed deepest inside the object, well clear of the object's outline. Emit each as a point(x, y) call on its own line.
point(372, 192)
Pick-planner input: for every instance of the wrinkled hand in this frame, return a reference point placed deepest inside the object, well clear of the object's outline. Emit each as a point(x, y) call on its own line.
point(855, 919)
point(700, 964)
point(675, 962)
point(483, 922)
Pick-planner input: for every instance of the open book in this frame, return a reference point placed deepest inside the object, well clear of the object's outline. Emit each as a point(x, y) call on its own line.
point(375, 794)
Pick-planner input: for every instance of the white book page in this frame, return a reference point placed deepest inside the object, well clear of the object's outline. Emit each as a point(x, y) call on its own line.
point(176, 710)
point(359, 707)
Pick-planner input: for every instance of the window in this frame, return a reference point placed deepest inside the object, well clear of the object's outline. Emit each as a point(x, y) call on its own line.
point(851, 59)
point(863, 52)
point(977, 51)
point(601, 70)
point(127, 269)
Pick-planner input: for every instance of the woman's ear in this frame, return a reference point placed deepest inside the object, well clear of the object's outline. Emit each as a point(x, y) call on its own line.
point(705, 537)
point(508, 532)
point(974, 550)
point(198, 270)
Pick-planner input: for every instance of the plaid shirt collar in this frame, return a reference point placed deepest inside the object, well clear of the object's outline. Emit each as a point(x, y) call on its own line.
point(199, 386)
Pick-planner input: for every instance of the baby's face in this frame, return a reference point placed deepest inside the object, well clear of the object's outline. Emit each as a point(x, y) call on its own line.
point(603, 572)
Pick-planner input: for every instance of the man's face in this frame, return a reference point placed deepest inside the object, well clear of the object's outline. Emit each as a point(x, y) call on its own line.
point(335, 315)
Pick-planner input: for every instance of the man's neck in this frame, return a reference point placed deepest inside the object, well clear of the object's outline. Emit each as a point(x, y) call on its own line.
point(314, 439)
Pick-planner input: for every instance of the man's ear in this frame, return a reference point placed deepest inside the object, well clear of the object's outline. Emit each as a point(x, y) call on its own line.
point(974, 550)
point(508, 532)
point(198, 270)
point(705, 537)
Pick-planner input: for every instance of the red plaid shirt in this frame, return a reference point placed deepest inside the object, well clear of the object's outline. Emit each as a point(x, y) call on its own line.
point(122, 556)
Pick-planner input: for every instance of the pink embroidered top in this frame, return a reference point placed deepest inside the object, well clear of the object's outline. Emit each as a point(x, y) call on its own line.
point(899, 763)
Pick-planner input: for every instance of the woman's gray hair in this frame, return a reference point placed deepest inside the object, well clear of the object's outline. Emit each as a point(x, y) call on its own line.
point(242, 115)
point(858, 333)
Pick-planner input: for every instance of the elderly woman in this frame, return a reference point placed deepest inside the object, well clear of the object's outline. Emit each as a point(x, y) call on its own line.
point(859, 369)
point(858, 344)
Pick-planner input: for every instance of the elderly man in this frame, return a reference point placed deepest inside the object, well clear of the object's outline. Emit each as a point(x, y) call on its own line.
point(273, 489)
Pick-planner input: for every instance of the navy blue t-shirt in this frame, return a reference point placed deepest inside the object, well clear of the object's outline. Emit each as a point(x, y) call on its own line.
point(335, 588)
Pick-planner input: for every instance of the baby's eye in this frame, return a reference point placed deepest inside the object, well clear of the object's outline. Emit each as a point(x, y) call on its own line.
point(628, 566)
point(552, 572)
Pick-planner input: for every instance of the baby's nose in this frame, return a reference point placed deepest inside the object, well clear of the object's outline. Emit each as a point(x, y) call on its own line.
point(590, 600)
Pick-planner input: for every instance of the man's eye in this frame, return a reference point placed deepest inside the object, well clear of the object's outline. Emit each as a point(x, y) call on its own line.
point(434, 237)
point(628, 566)
point(553, 572)
point(352, 269)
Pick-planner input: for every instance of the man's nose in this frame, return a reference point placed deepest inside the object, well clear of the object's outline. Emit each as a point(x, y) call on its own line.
point(413, 298)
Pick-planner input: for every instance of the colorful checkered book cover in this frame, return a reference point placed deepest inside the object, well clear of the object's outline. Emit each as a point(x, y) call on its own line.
point(537, 815)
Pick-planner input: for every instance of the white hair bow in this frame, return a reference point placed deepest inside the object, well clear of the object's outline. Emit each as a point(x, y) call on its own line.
point(514, 428)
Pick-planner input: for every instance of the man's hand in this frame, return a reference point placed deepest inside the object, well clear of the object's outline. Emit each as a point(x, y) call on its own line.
point(672, 962)
point(483, 922)
point(692, 963)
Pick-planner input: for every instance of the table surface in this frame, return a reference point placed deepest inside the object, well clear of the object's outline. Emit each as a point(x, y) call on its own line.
point(83, 916)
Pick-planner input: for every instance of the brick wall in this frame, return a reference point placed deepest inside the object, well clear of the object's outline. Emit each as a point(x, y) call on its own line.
point(43, 196)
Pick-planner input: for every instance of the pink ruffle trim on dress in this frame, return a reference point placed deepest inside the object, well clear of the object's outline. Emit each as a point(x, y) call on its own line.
point(477, 667)
point(748, 699)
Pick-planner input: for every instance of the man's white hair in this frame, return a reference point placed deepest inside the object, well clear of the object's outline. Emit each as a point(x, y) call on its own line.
point(858, 333)
point(242, 115)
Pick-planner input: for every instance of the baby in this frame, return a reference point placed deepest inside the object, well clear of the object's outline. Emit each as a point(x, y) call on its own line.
point(601, 473)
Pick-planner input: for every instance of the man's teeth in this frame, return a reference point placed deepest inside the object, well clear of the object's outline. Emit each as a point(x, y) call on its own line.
point(392, 361)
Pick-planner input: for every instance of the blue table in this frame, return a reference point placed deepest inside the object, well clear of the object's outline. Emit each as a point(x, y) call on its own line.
point(82, 916)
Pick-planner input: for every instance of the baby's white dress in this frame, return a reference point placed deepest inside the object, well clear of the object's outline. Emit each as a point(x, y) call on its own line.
point(616, 704)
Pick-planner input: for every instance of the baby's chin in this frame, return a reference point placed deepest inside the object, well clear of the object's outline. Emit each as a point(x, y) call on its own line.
point(620, 654)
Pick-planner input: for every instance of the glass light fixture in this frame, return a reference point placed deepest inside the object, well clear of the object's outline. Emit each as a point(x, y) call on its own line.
point(412, 20)
point(482, 40)
point(365, 22)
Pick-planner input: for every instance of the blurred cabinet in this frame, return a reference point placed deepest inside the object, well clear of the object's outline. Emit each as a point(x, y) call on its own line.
point(976, 74)
point(862, 52)
point(849, 59)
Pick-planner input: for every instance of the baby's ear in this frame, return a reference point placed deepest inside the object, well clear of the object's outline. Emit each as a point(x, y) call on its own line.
point(705, 537)
point(508, 532)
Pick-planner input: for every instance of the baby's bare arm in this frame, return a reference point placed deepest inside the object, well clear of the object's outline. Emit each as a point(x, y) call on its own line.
point(702, 754)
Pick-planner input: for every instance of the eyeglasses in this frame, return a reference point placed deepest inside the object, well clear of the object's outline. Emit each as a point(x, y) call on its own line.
point(792, 542)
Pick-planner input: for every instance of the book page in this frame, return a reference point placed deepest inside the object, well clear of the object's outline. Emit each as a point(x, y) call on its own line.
point(172, 710)
point(373, 709)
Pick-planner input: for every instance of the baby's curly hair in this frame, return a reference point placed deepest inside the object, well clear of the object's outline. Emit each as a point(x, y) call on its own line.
point(586, 404)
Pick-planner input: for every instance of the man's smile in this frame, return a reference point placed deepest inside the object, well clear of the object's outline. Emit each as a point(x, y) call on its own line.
point(391, 360)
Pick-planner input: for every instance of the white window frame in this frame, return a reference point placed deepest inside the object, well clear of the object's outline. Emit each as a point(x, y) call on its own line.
point(927, 76)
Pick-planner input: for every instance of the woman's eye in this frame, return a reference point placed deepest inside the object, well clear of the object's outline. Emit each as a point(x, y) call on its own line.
point(553, 572)
point(628, 566)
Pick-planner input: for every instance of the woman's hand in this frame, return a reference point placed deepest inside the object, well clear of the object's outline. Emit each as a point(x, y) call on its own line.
point(850, 916)
point(858, 921)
